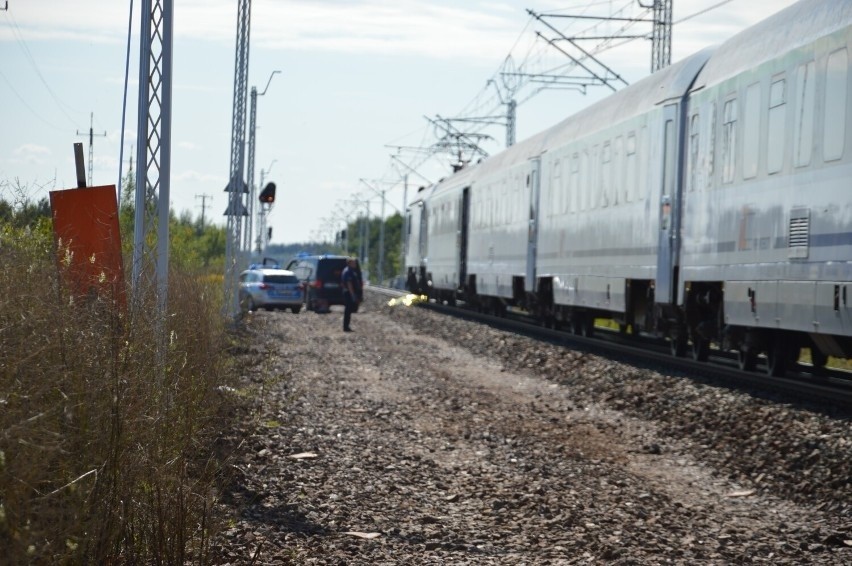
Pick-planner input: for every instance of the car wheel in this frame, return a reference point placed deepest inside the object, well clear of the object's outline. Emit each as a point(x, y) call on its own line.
point(295, 309)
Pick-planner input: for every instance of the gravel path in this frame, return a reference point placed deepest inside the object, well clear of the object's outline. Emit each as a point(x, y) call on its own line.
point(418, 439)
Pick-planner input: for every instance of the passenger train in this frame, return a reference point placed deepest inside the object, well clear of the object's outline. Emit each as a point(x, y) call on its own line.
point(708, 204)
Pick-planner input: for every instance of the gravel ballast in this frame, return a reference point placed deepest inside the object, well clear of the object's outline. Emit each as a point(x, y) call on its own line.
point(421, 439)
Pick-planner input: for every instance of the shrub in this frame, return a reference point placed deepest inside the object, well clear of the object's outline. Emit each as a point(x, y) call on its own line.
point(108, 417)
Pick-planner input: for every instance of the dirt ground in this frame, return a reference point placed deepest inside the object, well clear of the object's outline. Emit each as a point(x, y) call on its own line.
point(418, 439)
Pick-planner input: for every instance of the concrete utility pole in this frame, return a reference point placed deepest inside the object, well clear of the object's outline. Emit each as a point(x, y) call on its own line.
point(236, 183)
point(381, 193)
point(153, 155)
point(92, 135)
point(203, 207)
point(404, 238)
point(251, 151)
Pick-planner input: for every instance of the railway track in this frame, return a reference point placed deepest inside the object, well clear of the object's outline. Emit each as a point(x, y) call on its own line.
point(831, 387)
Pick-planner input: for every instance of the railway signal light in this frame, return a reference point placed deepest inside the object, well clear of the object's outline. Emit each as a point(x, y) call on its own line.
point(267, 195)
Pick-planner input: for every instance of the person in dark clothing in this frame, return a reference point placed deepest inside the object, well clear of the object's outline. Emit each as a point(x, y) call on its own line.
point(351, 282)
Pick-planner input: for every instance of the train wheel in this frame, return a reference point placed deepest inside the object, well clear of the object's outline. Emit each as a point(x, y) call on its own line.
point(678, 346)
point(780, 356)
point(746, 359)
point(576, 325)
point(700, 349)
point(818, 359)
point(588, 326)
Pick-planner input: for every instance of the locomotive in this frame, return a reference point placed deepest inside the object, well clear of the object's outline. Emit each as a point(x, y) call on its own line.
point(708, 204)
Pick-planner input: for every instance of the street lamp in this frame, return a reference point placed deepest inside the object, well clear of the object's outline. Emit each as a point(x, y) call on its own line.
point(246, 244)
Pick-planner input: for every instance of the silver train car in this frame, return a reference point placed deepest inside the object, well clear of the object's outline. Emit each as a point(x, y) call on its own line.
point(708, 204)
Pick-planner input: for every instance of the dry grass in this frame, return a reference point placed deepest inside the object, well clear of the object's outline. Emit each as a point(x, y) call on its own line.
point(108, 418)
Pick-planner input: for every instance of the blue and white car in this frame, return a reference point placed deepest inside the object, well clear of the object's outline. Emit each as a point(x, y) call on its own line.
point(270, 288)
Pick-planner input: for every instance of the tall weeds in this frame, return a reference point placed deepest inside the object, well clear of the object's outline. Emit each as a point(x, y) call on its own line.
point(107, 417)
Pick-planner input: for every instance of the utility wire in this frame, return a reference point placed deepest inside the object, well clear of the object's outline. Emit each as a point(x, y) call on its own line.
point(124, 105)
point(19, 37)
point(28, 107)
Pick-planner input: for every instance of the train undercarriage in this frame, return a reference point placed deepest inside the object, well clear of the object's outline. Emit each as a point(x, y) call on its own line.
point(695, 329)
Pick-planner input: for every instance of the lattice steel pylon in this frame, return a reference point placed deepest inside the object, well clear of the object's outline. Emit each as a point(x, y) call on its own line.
point(236, 183)
point(661, 40)
point(153, 153)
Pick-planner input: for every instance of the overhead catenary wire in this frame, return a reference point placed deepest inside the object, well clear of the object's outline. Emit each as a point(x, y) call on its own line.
point(534, 60)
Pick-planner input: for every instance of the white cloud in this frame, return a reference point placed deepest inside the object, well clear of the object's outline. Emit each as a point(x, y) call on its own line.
point(400, 27)
point(31, 153)
point(196, 176)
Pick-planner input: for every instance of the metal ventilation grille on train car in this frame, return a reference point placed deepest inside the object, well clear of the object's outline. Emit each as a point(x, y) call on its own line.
point(799, 233)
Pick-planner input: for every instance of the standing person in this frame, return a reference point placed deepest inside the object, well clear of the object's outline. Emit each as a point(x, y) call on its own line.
point(351, 281)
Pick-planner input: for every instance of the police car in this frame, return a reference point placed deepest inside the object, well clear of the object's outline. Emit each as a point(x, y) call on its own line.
point(270, 288)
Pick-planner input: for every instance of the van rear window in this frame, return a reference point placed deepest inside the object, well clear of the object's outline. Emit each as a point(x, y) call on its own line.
point(280, 279)
point(331, 269)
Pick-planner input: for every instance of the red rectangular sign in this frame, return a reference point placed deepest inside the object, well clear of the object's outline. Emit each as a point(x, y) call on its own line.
point(86, 229)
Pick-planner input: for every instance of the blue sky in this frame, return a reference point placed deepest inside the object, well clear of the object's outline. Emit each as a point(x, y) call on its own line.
point(356, 77)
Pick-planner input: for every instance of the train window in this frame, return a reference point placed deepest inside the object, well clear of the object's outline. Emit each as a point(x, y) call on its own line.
point(804, 126)
point(630, 168)
point(777, 126)
point(618, 169)
point(584, 180)
point(574, 183)
point(834, 133)
point(669, 158)
point(561, 188)
point(751, 131)
point(729, 140)
point(694, 138)
point(710, 154)
point(642, 153)
point(594, 178)
point(606, 174)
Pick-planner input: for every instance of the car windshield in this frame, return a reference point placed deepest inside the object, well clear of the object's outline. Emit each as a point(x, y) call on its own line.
point(280, 279)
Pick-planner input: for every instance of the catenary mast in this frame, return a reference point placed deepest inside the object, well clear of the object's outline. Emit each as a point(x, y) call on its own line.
point(237, 188)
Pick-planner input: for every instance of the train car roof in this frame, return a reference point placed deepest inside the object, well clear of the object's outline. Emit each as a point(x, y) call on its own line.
point(666, 84)
point(789, 29)
point(672, 82)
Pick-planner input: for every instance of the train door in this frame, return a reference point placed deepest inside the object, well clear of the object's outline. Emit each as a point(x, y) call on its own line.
point(666, 283)
point(424, 233)
point(534, 185)
point(407, 239)
point(462, 236)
